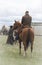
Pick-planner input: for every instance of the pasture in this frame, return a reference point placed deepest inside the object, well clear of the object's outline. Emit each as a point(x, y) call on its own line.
point(9, 54)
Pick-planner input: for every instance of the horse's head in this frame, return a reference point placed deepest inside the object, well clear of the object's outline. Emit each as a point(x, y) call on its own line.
point(16, 25)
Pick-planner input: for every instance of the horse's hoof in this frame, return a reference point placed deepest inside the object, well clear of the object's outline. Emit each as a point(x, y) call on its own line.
point(19, 53)
point(24, 55)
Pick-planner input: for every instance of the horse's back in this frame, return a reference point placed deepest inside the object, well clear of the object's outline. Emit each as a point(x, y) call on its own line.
point(25, 32)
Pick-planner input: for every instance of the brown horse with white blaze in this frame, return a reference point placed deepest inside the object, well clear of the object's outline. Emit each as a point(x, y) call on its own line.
point(26, 35)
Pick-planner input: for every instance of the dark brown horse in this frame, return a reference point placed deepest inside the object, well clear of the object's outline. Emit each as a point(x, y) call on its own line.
point(26, 35)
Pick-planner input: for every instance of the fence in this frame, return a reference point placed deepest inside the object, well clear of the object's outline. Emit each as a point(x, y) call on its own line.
point(37, 28)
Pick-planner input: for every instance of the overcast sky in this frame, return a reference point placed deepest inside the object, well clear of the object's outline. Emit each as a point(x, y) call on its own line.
point(14, 9)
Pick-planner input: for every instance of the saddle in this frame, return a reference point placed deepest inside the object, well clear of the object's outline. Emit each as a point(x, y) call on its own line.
point(22, 27)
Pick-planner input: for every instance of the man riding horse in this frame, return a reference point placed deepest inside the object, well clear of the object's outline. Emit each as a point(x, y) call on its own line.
point(24, 32)
point(26, 21)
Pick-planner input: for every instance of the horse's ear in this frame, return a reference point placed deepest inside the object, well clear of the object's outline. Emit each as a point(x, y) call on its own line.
point(15, 21)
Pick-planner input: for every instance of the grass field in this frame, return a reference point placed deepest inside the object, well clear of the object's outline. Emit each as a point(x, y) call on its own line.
point(9, 55)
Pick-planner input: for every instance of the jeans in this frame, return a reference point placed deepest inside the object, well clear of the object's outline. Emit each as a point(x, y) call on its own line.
point(17, 37)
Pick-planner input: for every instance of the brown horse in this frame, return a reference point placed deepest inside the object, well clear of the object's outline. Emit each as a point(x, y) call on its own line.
point(26, 35)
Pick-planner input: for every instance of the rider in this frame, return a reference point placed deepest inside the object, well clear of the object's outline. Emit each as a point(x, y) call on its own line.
point(26, 19)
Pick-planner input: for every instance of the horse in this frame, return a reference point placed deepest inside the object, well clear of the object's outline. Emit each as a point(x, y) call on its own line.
point(25, 35)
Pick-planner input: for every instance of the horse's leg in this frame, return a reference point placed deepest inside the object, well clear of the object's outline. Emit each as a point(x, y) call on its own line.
point(24, 49)
point(32, 40)
point(31, 46)
point(19, 47)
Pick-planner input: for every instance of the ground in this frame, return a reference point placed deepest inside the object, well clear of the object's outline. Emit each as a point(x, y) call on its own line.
point(9, 55)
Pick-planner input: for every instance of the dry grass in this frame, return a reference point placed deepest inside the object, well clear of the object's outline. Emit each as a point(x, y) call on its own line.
point(9, 55)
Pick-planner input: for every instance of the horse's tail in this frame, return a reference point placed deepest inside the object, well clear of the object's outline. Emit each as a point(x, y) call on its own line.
point(28, 38)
